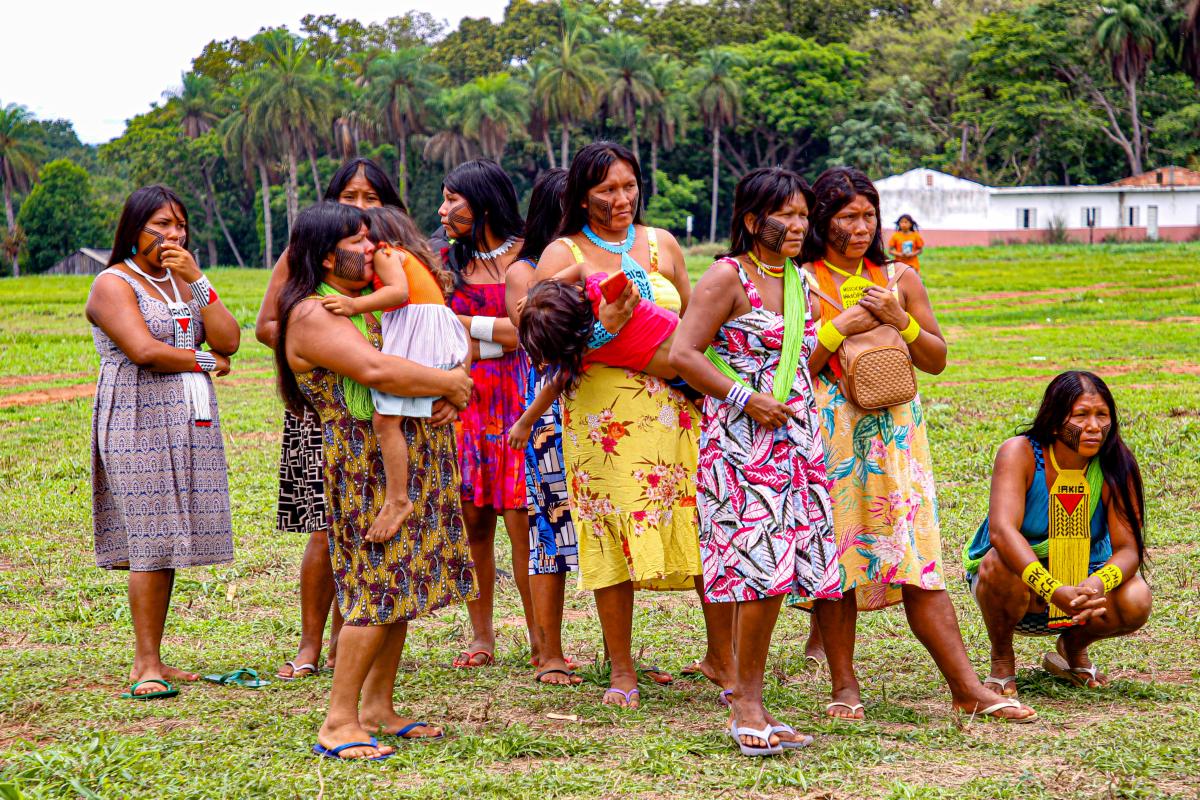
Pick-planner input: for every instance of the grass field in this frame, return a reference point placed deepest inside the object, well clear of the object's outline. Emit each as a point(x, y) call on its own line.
point(1013, 317)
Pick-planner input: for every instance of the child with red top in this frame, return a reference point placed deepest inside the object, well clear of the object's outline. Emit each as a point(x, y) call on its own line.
point(417, 325)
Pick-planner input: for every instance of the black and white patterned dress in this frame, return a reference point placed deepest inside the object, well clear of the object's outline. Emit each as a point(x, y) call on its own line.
point(302, 507)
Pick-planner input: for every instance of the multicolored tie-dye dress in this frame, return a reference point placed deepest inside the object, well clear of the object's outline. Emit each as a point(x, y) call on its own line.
point(766, 523)
point(493, 474)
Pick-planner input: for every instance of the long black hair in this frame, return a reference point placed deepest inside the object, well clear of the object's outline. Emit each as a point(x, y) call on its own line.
point(1120, 468)
point(545, 215)
point(315, 234)
point(911, 221)
point(492, 198)
point(835, 189)
point(589, 168)
point(139, 208)
point(374, 175)
point(554, 329)
point(760, 193)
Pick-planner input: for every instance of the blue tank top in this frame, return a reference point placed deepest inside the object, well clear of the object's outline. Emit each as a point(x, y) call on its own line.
point(1036, 524)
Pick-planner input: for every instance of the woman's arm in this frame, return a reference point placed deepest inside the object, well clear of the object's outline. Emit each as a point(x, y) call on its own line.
point(518, 435)
point(318, 338)
point(719, 297)
point(669, 247)
point(850, 321)
point(928, 350)
point(517, 281)
point(221, 331)
point(266, 325)
point(389, 266)
point(112, 306)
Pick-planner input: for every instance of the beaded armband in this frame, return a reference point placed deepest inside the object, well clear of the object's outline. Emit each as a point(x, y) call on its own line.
point(205, 361)
point(203, 292)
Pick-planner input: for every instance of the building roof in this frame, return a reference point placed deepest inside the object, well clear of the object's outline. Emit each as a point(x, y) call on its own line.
point(96, 254)
point(1171, 176)
point(1156, 180)
point(922, 178)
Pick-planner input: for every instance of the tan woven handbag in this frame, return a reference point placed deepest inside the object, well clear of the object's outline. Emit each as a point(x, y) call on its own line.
point(877, 370)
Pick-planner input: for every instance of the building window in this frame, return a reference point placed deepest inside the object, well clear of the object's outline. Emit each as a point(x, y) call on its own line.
point(1026, 217)
point(929, 180)
point(1131, 216)
point(1090, 217)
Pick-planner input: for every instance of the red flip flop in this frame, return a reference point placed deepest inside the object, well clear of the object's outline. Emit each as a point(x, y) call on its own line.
point(488, 659)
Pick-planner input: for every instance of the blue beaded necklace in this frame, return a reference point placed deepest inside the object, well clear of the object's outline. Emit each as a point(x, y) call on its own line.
point(636, 272)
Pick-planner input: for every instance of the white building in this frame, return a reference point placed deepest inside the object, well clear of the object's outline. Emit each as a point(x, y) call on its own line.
point(1160, 204)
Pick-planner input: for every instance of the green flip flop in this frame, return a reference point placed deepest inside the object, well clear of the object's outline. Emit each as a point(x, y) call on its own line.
point(169, 691)
point(246, 678)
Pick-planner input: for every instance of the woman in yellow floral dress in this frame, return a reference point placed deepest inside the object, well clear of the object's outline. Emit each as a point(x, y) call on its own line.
point(629, 440)
point(884, 502)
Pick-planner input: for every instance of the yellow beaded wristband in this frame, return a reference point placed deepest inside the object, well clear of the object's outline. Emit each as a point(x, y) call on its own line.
point(830, 337)
point(1110, 575)
point(1039, 579)
point(913, 330)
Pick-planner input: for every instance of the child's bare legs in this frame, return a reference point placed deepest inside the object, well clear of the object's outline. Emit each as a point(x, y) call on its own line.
point(396, 504)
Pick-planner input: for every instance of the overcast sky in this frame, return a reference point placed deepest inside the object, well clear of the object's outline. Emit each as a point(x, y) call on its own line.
point(98, 64)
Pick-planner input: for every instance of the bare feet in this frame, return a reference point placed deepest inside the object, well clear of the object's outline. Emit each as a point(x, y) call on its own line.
point(623, 691)
point(330, 738)
point(389, 519)
point(389, 723)
point(557, 672)
point(714, 673)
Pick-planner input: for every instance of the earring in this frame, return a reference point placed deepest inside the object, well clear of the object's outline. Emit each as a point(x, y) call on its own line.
point(133, 250)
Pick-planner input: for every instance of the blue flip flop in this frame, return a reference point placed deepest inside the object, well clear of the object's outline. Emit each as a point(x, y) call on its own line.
point(804, 739)
point(336, 752)
point(627, 695)
point(736, 731)
point(413, 726)
point(246, 678)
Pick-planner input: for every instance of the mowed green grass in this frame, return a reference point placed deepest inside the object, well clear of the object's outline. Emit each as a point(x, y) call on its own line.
point(1013, 317)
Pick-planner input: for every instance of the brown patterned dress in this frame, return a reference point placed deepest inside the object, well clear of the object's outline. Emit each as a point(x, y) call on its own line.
point(425, 566)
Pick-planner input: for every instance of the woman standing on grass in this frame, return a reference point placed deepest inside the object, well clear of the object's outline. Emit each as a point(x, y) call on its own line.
point(629, 440)
point(553, 545)
point(1076, 432)
point(329, 363)
point(884, 503)
point(766, 525)
point(160, 496)
point(479, 213)
point(302, 507)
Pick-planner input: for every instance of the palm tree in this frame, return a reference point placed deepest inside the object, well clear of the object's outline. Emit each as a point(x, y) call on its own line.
point(398, 86)
point(196, 103)
point(1128, 34)
point(492, 109)
point(20, 151)
point(664, 120)
point(1191, 40)
point(240, 142)
point(718, 99)
point(539, 124)
point(570, 83)
point(627, 60)
point(450, 144)
point(290, 98)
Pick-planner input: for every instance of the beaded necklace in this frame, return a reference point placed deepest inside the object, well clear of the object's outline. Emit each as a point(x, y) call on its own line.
point(766, 270)
point(636, 272)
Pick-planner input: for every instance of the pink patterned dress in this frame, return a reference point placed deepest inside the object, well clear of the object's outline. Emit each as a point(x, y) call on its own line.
point(766, 521)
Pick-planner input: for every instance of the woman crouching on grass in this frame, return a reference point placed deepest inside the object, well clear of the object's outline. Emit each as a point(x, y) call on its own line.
point(1073, 444)
point(330, 362)
point(160, 496)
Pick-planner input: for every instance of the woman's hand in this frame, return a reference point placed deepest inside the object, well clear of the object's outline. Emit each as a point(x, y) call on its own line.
point(855, 319)
point(339, 304)
point(767, 411)
point(518, 435)
point(613, 316)
point(223, 365)
point(885, 307)
point(443, 413)
point(179, 261)
point(459, 393)
point(1082, 602)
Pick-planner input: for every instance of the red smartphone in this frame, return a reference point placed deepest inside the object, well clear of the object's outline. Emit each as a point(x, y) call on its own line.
point(612, 286)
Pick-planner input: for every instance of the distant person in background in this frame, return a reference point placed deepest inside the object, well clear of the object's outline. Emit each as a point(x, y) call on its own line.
point(302, 507)
point(906, 244)
point(160, 495)
point(1076, 432)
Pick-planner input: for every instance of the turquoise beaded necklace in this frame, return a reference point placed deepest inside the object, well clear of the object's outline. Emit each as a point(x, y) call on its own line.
point(636, 272)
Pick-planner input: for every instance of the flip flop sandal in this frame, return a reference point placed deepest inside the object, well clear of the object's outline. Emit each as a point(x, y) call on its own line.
point(568, 672)
point(400, 734)
point(735, 732)
point(169, 691)
point(1054, 663)
point(987, 713)
point(312, 670)
point(692, 671)
point(627, 695)
point(852, 708)
point(467, 663)
point(1002, 685)
point(571, 663)
point(659, 676)
point(336, 752)
point(246, 678)
point(723, 697)
point(802, 740)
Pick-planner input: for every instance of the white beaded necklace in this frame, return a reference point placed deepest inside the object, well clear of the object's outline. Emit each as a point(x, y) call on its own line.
point(499, 251)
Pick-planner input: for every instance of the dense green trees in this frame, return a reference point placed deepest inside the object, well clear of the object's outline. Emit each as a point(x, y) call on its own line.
point(59, 216)
point(1001, 91)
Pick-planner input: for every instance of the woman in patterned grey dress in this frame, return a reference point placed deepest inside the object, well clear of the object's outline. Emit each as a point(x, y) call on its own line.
point(160, 498)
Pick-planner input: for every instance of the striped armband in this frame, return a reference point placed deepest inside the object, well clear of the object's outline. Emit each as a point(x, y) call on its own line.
point(1110, 575)
point(600, 336)
point(738, 395)
point(205, 361)
point(203, 292)
point(830, 337)
point(913, 330)
point(1039, 579)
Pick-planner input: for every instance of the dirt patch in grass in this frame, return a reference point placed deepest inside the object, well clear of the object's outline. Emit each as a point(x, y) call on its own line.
point(44, 396)
point(1172, 367)
point(13, 381)
point(1041, 297)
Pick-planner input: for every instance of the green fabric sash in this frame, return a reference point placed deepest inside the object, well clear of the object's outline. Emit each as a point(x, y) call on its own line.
point(358, 397)
point(794, 311)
